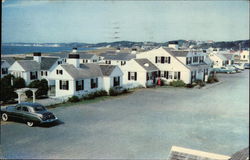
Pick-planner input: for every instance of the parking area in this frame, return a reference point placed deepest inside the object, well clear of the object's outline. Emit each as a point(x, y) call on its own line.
point(141, 125)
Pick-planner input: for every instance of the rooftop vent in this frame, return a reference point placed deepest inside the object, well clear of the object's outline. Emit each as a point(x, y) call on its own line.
point(146, 65)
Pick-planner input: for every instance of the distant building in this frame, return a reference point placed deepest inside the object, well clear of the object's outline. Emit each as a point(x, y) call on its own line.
point(180, 153)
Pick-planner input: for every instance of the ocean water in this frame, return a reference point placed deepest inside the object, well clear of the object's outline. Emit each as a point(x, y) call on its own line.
point(30, 49)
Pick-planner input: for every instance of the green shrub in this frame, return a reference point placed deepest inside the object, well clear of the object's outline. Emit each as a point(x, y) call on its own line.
point(113, 92)
point(18, 83)
point(89, 96)
point(200, 83)
point(74, 99)
point(190, 85)
point(7, 90)
point(212, 79)
point(41, 85)
point(100, 93)
point(178, 83)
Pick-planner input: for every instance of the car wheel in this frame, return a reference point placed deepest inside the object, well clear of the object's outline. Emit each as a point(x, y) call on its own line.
point(4, 117)
point(30, 124)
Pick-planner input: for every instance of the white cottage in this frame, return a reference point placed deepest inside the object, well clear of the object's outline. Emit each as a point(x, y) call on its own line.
point(35, 68)
point(6, 62)
point(112, 76)
point(139, 72)
point(178, 64)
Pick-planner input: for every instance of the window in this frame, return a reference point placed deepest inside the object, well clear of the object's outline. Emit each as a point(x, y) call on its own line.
point(108, 62)
point(25, 109)
point(132, 76)
point(116, 81)
point(175, 75)
point(79, 85)
point(33, 75)
point(58, 71)
point(123, 63)
point(46, 73)
point(94, 83)
point(157, 59)
point(59, 62)
point(170, 75)
point(18, 108)
point(179, 76)
point(94, 60)
point(64, 85)
point(4, 70)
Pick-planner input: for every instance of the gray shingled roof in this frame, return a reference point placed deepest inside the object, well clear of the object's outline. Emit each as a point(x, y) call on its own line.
point(241, 155)
point(228, 56)
point(107, 69)
point(143, 62)
point(180, 53)
point(85, 71)
point(48, 62)
point(118, 56)
point(29, 65)
point(10, 60)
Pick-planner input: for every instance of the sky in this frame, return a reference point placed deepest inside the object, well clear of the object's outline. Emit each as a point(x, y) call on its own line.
point(55, 21)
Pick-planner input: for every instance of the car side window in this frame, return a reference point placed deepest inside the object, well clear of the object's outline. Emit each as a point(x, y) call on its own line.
point(18, 108)
point(25, 109)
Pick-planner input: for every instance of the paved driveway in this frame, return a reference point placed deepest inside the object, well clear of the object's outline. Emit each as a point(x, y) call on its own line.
point(144, 125)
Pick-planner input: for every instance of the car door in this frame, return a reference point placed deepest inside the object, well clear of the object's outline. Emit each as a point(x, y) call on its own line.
point(17, 112)
point(25, 113)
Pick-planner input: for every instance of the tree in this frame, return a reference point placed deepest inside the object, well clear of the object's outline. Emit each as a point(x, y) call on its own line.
point(18, 83)
point(7, 91)
point(42, 87)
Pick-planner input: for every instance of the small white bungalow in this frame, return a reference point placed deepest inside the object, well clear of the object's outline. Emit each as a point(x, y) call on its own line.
point(75, 78)
point(6, 62)
point(229, 58)
point(139, 72)
point(35, 68)
point(71, 80)
point(218, 59)
point(29, 70)
point(112, 76)
point(4, 68)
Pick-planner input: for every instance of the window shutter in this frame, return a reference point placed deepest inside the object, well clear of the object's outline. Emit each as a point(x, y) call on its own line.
point(57, 71)
point(36, 75)
point(128, 75)
point(162, 59)
point(77, 86)
point(155, 59)
point(30, 75)
point(46, 73)
point(159, 73)
point(135, 76)
point(167, 75)
point(179, 75)
point(119, 80)
point(41, 73)
point(96, 82)
point(60, 83)
point(169, 60)
point(67, 85)
point(82, 84)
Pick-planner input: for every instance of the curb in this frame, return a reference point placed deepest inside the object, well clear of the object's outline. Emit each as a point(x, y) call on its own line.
point(212, 85)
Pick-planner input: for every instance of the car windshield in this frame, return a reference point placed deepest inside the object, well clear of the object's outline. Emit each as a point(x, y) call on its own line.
point(39, 108)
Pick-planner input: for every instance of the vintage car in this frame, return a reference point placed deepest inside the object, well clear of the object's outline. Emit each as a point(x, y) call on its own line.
point(224, 70)
point(31, 113)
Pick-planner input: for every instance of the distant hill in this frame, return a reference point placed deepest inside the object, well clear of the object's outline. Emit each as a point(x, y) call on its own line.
point(235, 45)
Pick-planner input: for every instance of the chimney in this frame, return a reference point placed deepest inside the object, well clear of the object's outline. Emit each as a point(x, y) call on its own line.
point(37, 57)
point(134, 50)
point(74, 58)
point(173, 44)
